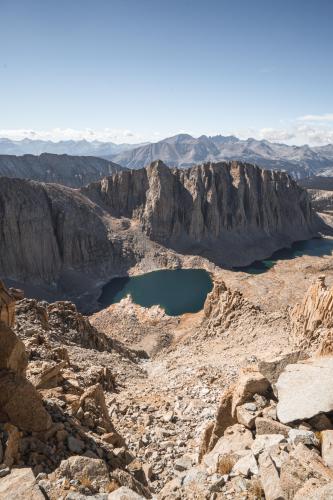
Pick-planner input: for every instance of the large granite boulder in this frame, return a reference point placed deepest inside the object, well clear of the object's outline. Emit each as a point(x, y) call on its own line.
point(21, 404)
point(12, 351)
point(20, 484)
point(305, 389)
point(7, 305)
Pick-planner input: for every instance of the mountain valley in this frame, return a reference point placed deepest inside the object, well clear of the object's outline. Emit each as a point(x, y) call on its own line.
point(78, 239)
point(130, 403)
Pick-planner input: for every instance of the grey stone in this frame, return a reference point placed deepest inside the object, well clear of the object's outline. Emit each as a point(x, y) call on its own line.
point(269, 478)
point(265, 441)
point(246, 465)
point(183, 463)
point(246, 417)
point(297, 436)
point(20, 484)
point(305, 389)
point(75, 445)
point(216, 482)
point(124, 493)
point(271, 368)
point(4, 471)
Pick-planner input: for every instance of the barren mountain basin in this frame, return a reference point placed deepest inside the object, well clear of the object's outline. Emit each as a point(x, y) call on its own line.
point(177, 291)
point(316, 247)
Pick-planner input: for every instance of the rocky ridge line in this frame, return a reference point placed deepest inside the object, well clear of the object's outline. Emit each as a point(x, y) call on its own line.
point(56, 435)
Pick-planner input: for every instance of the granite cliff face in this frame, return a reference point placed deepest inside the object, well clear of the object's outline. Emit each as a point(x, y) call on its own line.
point(52, 235)
point(230, 212)
point(73, 240)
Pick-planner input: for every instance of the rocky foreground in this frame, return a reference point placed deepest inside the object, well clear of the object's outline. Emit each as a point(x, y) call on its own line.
point(164, 413)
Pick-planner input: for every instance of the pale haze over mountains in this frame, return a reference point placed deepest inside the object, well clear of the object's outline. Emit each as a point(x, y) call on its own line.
point(183, 151)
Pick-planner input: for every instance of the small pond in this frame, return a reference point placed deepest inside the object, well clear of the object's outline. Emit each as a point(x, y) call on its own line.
point(177, 291)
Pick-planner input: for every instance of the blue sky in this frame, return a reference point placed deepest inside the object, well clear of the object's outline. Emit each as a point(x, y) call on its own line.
point(132, 70)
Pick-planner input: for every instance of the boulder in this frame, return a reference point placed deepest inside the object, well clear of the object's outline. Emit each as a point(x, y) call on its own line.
point(12, 351)
point(21, 404)
point(268, 426)
point(279, 454)
point(297, 436)
point(224, 418)
point(327, 447)
point(92, 403)
point(248, 384)
point(204, 446)
point(269, 478)
point(271, 368)
point(303, 464)
point(314, 490)
point(234, 443)
point(265, 441)
point(246, 465)
point(7, 305)
point(20, 484)
point(124, 493)
point(246, 416)
point(46, 375)
point(12, 451)
point(88, 470)
point(305, 389)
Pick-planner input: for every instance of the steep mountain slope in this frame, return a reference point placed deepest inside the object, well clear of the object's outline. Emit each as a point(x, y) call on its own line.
point(72, 171)
point(55, 239)
point(184, 151)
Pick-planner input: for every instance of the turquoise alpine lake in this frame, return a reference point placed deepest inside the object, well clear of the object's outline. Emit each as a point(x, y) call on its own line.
point(177, 291)
point(180, 291)
point(316, 247)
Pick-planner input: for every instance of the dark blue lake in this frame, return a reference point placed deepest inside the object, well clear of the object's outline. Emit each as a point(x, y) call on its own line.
point(177, 291)
point(316, 247)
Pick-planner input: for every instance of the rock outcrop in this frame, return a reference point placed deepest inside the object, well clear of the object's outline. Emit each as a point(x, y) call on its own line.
point(20, 404)
point(7, 306)
point(55, 239)
point(54, 417)
point(222, 307)
point(312, 318)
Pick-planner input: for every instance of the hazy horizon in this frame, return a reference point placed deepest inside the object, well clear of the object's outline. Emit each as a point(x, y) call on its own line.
point(131, 72)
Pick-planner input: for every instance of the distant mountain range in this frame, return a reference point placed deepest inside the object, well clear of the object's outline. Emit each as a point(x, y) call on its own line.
point(183, 151)
point(72, 171)
point(75, 148)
